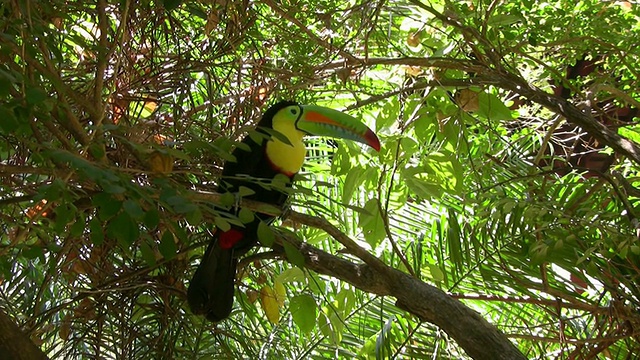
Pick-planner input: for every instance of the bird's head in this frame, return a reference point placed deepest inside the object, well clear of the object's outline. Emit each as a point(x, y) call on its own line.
point(294, 121)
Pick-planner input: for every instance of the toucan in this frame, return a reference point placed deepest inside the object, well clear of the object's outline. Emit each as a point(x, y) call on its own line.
point(276, 148)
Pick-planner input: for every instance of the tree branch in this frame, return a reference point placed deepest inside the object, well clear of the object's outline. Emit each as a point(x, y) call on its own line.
point(15, 344)
point(480, 339)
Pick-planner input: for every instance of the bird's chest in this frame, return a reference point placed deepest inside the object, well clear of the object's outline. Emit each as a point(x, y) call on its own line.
point(286, 158)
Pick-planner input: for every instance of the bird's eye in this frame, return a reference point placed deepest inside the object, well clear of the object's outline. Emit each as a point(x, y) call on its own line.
point(294, 111)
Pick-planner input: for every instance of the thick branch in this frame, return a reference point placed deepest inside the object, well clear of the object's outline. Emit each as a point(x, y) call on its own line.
point(479, 338)
point(573, 115)
point(15, 344)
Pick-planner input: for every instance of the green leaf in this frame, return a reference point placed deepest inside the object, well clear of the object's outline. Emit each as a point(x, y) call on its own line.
point(328, 330)
point(96, 150)
point(372, 224)
point(147, 254)
point(35, 95)
point(293, 254)
point(436, 273)
point(316, 284)
point(179, 232)
point(96, 232)
point(388, 114)
point(346, 301)
point(167, 246)
point(171, 4)
point(276, 134)
point(257, 136)
point(491, 107)
point(133, 209)
point(9, 122)
point(246, 215)
point(293, 274)
point(281, 182)
point(64, 214)
point(454, 239)
point(383, 342)
point(221, 223)
point(107, 205)
point(245, 191)
point(227, 199)
point(266, 235)
point(504, 19)
point(303, 311)
point(194, 217)
point(151, 218)
point(181, 204)
point(77, 227)
point(33, 252)
point(352, 182)
point(123, 229)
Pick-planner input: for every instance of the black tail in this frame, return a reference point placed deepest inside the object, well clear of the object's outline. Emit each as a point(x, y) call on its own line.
point(211, 289)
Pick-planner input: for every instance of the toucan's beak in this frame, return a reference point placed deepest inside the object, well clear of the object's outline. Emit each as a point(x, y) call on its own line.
point(321, 121)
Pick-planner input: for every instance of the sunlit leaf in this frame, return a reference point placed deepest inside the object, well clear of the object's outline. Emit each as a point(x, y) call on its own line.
point(269, 304)
point(303, 310)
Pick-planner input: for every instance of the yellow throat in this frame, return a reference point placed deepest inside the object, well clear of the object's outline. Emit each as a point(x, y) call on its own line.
point(287, 158)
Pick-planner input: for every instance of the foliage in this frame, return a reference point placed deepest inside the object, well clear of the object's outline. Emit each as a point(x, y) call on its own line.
point(117, 116)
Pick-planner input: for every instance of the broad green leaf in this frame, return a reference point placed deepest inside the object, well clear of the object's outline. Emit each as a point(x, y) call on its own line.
point(352, 182)
point(491, 107)
point(35, 95)
point(78, 225)
point(303, 310)
point(245, 191)
point(107, 205)
point(293, 274)
point(96, 232)
point(224, 225)
point(194, 217)
point(123, 229)
point(372, 224)
point(293, 254)
point(171, 4)
point(178, 231)
point(388, 114)
point(132, 208)
point(9, 122)
point(246, 215)
point(180, 204)
point(436, 273)
point(64, 214)
point(265, 234)
point(33, 252)
point(151, 218)
point(504, 19)
point(147, 254)
point(345, 301)
point(227, 199)
point(167, 246)
point(316, 284)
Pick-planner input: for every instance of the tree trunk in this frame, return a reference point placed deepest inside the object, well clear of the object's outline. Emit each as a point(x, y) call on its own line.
point(15, 344)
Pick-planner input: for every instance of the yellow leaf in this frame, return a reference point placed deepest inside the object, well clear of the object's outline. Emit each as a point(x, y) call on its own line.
point(65, 328)
point(281, 293)
point(160, 163)
point(413, 39)
point(270, 304)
